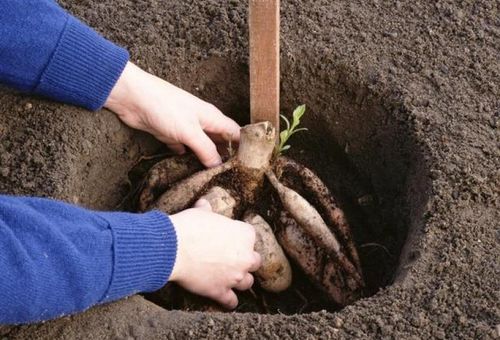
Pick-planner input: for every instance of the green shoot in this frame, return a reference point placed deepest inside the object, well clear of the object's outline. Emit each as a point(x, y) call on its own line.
point(290, 129)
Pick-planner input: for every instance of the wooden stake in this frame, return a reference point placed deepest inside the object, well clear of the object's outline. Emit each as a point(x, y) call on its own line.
point(264, 22)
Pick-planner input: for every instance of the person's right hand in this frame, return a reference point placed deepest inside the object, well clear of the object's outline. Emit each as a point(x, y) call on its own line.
point(214, 254)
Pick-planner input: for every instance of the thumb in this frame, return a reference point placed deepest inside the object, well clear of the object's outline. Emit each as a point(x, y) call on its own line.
point(203, 204)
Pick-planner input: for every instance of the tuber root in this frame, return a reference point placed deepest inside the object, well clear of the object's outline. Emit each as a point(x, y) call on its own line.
point(334, 215)
point(275, 274)
point(221, 201)
point(163, 174)
point(314, 261)
point(183, 193)
point(312, 222)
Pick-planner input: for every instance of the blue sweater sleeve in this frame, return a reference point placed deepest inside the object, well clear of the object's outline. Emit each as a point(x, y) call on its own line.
point(57, 259)
point(46, 51)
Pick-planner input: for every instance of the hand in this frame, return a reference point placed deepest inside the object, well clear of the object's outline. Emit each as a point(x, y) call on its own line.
point(172, 115)
point(214, 254)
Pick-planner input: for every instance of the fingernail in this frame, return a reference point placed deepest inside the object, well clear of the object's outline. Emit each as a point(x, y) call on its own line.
point(203, 204)
point(216, 162)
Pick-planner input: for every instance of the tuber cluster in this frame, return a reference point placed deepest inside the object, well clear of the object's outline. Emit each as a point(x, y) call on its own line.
point(313, 234)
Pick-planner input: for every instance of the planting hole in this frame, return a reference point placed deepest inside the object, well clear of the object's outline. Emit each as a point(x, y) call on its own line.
point(360, 145)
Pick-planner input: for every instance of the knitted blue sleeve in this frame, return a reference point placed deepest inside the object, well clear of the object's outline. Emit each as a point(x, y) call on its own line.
point(46, 51)
point(57, 259)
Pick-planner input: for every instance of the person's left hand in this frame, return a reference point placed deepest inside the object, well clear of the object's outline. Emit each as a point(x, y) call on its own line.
point(172, 115)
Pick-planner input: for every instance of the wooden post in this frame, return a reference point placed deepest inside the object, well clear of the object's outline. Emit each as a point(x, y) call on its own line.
point(264, 23)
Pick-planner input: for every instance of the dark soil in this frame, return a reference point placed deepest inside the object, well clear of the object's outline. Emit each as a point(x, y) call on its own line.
point(405, 94)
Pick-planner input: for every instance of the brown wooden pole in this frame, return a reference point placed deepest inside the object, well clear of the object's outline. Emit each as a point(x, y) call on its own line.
point(264, 24)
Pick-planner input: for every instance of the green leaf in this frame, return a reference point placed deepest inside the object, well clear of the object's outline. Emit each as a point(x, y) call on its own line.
point(297, 130)
point(283, 136)
point(299, 112)
point(287, 122)
point(290, 128)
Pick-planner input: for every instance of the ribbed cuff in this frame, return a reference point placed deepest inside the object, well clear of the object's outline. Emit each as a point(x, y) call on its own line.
point(84, 67)
point(144, 251)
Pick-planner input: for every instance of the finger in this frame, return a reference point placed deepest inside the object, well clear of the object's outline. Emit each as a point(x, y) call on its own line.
point(221, 139)
point(203, 204)
point(246, 283)
point(177, 148)
point(203, 147)
point(214, 121)
point(256, 262)
point(229, 300)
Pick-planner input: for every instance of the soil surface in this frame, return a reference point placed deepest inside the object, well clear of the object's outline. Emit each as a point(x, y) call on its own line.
point(407, 93)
